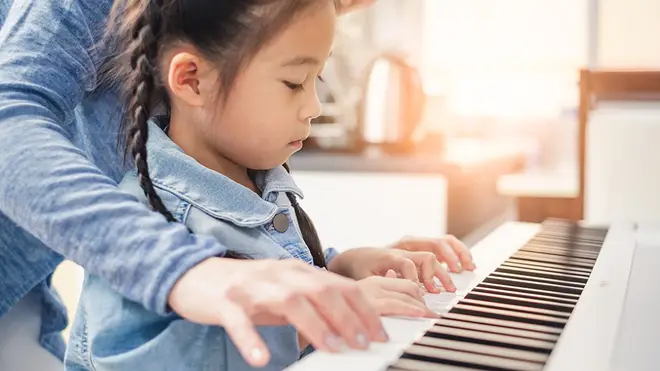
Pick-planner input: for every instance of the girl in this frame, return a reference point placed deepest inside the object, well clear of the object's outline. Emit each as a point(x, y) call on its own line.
point(234, 81)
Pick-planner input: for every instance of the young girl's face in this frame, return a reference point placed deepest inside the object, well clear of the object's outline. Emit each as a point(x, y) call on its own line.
point(266, 115)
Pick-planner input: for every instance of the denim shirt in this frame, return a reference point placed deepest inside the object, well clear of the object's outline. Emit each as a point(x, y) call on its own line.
point(111, 332)
point(60, 168)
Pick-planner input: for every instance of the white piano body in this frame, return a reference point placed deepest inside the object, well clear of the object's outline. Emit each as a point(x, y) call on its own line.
point(614, 325)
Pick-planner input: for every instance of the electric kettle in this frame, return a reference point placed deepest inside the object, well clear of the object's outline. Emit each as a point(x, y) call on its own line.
point(392, 104)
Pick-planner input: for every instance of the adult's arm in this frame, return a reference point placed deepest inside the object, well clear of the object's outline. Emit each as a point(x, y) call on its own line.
point(47, 185)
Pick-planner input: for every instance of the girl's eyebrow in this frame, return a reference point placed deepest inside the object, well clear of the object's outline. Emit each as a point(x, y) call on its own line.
point(300, 60)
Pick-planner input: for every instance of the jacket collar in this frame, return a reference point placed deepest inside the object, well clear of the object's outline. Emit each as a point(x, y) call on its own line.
point(172, 170)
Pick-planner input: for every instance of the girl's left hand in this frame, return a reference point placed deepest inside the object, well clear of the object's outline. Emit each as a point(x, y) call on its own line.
point(417, 266)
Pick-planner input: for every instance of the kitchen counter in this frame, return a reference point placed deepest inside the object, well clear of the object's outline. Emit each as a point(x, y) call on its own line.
point(470, 169)
point(462, 156)
point(353, 162)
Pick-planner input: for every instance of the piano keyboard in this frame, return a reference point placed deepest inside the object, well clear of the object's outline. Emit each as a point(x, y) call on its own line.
point(514, 317)
point(509, 314)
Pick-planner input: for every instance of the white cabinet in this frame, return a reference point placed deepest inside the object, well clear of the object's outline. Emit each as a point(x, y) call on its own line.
point(622, 171)
point(354, 209)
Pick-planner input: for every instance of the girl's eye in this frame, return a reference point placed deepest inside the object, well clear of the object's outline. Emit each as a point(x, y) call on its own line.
point(293, 87)
point(299, 87)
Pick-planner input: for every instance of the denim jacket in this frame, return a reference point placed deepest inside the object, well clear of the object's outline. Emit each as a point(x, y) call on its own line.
point(112, 333)
point(59, 169)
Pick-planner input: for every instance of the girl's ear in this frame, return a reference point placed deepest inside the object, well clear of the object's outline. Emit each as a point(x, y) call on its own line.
point(190, 79)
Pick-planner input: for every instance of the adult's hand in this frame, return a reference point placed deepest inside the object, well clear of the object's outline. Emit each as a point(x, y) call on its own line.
point(326, 308)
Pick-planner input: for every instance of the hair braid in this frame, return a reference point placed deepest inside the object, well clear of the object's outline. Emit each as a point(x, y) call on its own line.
point(307, 229)
point(144, 92)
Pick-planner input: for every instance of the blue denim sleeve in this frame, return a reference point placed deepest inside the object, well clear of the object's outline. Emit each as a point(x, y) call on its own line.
point(330, 253)
point(48, 187)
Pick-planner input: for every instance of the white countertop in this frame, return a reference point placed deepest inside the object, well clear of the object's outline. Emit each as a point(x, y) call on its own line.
point(561, 182)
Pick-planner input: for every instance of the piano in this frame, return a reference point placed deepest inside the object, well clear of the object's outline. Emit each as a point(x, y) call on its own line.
point(552, 296)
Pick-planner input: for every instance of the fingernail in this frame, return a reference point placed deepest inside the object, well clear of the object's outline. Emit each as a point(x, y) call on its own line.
point(256, 354)
point(333, 342)
point(361, 339)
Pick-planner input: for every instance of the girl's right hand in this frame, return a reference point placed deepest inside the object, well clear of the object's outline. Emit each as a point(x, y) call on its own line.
point(392, 296)
point(324, 307)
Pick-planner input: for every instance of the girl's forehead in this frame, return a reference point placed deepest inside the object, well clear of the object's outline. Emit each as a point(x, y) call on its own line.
point(309, 36)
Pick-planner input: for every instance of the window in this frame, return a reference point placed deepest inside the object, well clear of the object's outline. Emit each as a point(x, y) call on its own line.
point(505, 58)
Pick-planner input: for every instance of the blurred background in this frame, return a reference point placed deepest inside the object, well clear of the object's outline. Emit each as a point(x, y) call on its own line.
point(453, 116)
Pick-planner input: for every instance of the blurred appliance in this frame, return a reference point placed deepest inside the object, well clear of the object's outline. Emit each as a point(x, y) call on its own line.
point(392, 105)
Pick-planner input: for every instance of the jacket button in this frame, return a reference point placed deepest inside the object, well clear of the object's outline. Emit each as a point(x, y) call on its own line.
point(281, 223)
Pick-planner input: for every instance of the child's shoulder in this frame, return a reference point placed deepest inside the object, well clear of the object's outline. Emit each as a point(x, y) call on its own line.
point(131, 185)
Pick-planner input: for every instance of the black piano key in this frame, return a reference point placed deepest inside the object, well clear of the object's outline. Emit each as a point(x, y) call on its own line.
point(578, 244)
point(586, 247)
point(478, 361)
point(444, 321)
point(540, 268)
point(518, 308)
point(572, 235)
point(406, 364)
point(508, 315)
point(542, 274)
point(476, 337)
point(519, 294)
point(573, 226)
point(560, 251)
point(532, 285)
point(536, 303)
point(581, 233)
point(530, 278)
point(559, 237)
point(544, 258)
point(502, 323)
point(489, 350)
point(514, 286)
point(515, 260)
